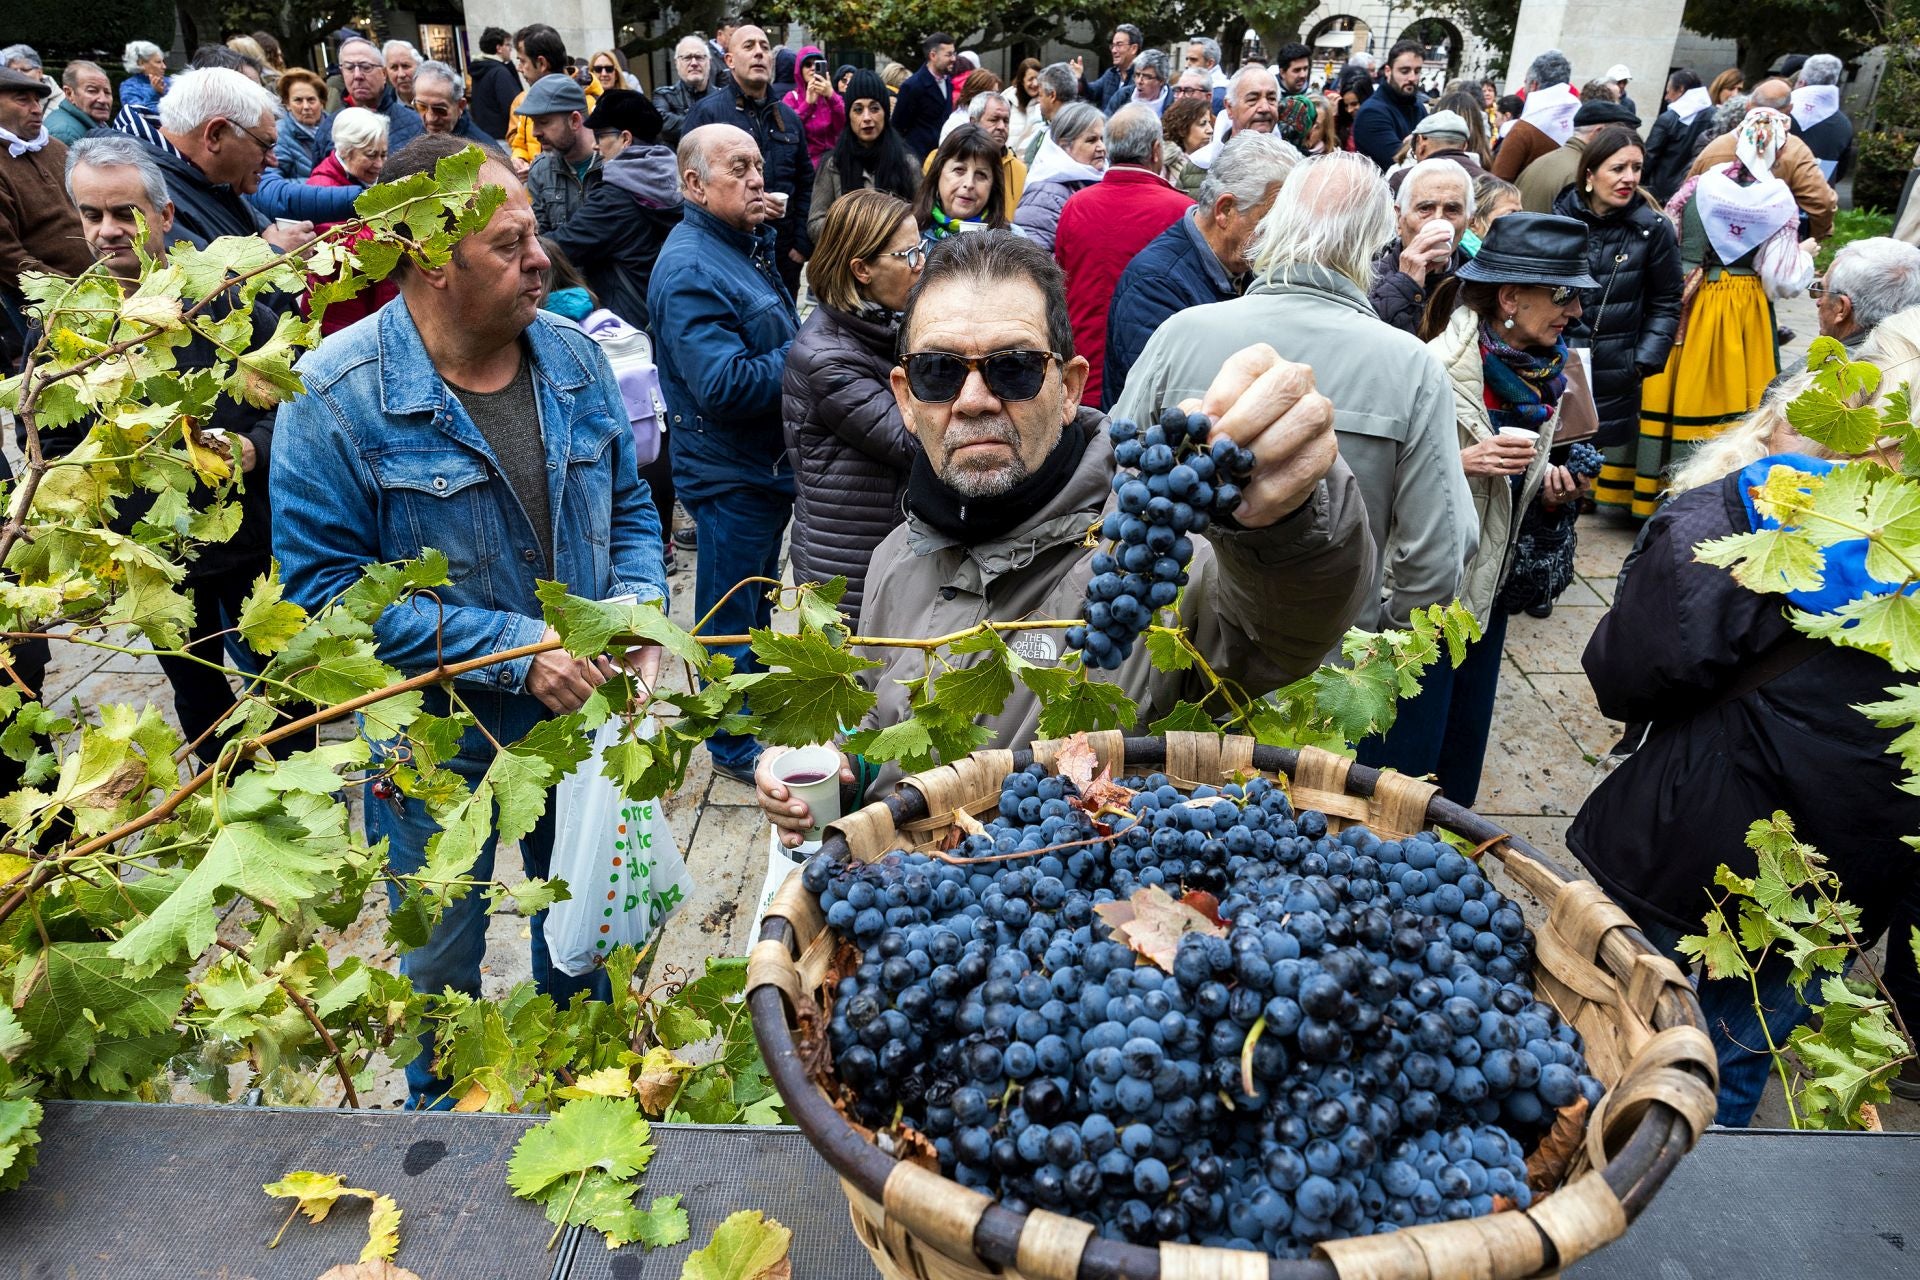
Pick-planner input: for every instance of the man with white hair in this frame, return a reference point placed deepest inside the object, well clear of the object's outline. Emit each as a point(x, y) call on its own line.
point(402, 61)
point(1102, 227)
point(1867, 281)
point(1435, 206)
point(994, 115)
point(440, 96)
point(217, 135)
point(1253, 106)
point(1817, 115)
point(1547, 119)
point(693, 71)
point(363, 70)
point(1202, 257)
point(1058, 86)
point(26, 60)
point(722, 324)
point(1392, 404)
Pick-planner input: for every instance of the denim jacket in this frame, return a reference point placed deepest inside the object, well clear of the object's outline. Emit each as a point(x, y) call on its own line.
point(722, 324)
point(378, 461)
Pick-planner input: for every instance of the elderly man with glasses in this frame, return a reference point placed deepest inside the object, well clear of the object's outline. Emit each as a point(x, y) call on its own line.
point(363, 70)
point(693, 69)
point(1013, 471)
point(440, 97)
point(217, 135)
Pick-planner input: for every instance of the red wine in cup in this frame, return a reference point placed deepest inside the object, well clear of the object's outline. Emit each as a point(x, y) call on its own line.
point(802, 779)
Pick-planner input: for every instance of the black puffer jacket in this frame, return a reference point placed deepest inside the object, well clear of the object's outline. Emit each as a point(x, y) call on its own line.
point(849, 449)
point(1630, 319)
point(1679, 635)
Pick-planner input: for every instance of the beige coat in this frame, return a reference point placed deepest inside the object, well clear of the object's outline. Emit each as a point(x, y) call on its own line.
point(1263, 605)
point(1459, 351)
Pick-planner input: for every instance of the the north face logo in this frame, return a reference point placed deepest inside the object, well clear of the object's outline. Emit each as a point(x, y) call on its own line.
point(1035, 646)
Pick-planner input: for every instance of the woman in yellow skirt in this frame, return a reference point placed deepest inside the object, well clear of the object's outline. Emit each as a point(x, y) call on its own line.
point(1739, 247)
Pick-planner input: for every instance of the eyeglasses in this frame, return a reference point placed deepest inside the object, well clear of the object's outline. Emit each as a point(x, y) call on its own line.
point(914, 255)
point(1561, 294)
point(936, 377)
point(1192, 91)
point(1818, 289)
point(605, 69)
point(361, 67)
point(267, 145)
point(434, 109)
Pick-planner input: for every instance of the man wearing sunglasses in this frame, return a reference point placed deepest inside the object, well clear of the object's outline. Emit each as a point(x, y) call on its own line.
point(441, 99)
point(1013, 472)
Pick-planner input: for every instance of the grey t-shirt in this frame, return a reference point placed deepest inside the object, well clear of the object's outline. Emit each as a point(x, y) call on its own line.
point(510, 420)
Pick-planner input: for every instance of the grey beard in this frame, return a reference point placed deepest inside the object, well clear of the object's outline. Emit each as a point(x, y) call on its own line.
point(971, 482)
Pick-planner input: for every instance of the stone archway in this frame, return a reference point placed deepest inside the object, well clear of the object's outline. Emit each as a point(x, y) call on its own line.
point(1444, 41)
point(1334, 39)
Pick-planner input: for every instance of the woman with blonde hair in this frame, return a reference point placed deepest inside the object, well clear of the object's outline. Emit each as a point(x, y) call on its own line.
point(1727, 703)
point(851, 452)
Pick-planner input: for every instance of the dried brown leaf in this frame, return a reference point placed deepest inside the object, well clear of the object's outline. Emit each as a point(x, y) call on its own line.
point(379, 1269)
point(1076, 762)
point(1547, 1166)
point(1152, 922)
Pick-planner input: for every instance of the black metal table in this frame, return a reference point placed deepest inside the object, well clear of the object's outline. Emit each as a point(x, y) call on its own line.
point(132, 1191)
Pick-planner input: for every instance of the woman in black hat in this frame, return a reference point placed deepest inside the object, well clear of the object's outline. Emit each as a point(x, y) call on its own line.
point(868, 152)
point(1505, 352)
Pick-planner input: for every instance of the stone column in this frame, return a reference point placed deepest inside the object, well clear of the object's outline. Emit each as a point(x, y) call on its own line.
point(585, 25)
point(1594, 36)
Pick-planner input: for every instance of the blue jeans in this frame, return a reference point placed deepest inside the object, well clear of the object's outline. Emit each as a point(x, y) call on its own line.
point(1745, 1064)
point(740, 531)
point(452, 954)
point(1443, 729)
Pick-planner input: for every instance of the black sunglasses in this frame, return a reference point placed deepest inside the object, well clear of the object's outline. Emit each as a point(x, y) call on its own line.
point(936, 377)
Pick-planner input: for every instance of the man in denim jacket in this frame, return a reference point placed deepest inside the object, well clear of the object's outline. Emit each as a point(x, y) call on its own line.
point(457, 418)
point(722, 324)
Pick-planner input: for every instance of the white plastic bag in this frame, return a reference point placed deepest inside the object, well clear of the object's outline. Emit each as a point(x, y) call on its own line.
point(619, 860)
point(781, 863)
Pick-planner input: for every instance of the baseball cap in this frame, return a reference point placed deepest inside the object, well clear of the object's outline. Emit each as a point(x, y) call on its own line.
point(553, 93)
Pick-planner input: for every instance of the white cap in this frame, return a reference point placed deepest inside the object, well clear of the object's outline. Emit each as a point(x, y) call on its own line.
point(1618, 71)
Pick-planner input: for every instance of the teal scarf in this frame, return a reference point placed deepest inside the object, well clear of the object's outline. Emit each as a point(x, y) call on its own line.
point(1522, 387)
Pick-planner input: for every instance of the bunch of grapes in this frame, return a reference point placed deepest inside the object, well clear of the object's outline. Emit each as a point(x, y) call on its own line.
point(1398, 1068)
point(1584, 460)
point(1169, 484)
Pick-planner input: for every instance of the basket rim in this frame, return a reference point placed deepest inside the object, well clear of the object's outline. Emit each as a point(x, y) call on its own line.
point(1659, 1140)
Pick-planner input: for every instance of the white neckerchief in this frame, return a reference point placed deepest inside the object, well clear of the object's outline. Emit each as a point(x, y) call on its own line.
point(1740, 219)
point(18, 146)
point(1551, 111)
point(1690, 104)
point(1813, 103)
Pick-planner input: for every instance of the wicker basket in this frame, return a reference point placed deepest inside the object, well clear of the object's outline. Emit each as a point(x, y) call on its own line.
point(1641, 1024)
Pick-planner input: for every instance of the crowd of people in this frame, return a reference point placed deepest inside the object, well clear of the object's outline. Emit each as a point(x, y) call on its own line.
point(881, 317)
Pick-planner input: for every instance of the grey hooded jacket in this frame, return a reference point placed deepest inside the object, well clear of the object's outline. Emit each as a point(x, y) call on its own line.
point(616, 233)
point(1393, 414)
point(1263, 604)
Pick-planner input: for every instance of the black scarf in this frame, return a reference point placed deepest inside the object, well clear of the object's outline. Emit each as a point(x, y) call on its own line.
point(976, 520)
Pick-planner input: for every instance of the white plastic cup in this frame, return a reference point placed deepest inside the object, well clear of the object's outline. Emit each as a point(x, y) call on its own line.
point(777, 201)
point(812, 776)
point(1519, 433)
point(1442, 222)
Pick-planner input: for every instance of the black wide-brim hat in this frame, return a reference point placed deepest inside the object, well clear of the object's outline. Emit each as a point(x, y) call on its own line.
point(1532, 248)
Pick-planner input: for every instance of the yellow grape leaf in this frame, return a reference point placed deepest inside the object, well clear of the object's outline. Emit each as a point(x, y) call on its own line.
point(317, 1193)
point(747, 1246)
point(474, 1099)
point(608, 1082)
point(1768, 560)
point(206, 454)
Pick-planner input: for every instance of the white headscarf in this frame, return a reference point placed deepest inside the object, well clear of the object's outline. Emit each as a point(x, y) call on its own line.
point(1690, 104)
point(1758, 139)
point(1813, 103)
point(1551, 111)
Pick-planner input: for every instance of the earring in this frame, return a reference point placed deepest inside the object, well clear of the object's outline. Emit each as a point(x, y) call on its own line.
point(1509, 322)
point(1589, 187)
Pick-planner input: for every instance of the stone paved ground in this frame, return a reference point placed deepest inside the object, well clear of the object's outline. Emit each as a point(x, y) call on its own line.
point(1541, 765)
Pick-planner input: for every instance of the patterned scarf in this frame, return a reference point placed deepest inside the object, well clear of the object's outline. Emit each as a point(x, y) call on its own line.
point(1522, 387)
point(943, 226)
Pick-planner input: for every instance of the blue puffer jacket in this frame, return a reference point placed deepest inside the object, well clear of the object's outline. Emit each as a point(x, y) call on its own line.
point(277, 197)
point(1178, 269)
point(783, 145)
point(722, 323)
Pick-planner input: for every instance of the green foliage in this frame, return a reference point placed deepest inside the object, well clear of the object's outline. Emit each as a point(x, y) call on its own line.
point(1790, 910)
point(1768, 28)
point(1863, 222)
point(747, 1246)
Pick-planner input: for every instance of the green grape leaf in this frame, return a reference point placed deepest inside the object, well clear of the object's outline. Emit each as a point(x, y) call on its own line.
point(316, 771)
point(810, 690)
point(436, 739)
point(747, 1246)
point(338, 668)
point(536, 895)
point(1823, 349)
point(1768, 560)
point(1167, 651)
point(978, 690)
point(677, 1027)
point(267, 621)
point(1893, 514)
point(1716, 949)
point(1356, 701)
point(84, 993)
point(1186, 717)
point(1821, 414)
point(661, 1224)
point(1888, 625)
point(1079, 703)
point(19, 1140)
point(14, 1038)
point(607, 1134)
point(149, 603)
point(907, 741)
point(818, 606)
point(381, 585)
point(587, 627)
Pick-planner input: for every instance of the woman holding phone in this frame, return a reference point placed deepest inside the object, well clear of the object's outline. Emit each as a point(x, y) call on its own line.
point(822, 112)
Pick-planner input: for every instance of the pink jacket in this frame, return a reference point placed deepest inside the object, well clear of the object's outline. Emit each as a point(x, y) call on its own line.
point(822, 120)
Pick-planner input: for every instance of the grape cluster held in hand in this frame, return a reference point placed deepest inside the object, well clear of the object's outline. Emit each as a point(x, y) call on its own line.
point(1351, 1052)
point(1169, 484)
